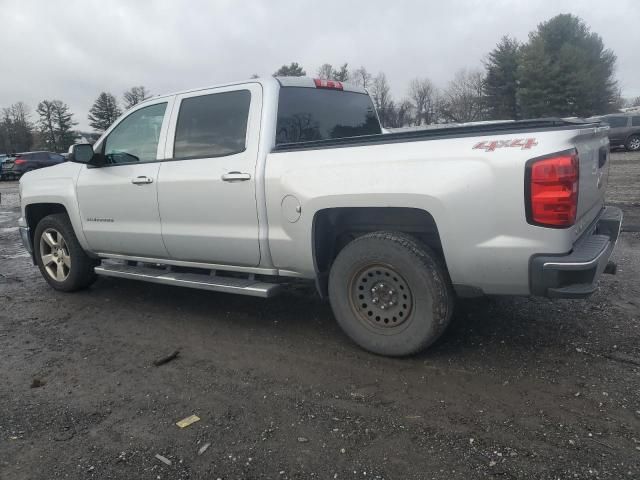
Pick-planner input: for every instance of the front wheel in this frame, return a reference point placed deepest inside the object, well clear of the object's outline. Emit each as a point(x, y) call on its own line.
point(390, 293)
point(633, 143)
point(60, 257)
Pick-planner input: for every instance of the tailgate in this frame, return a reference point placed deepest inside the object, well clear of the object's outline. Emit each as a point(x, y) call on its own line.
point(7, 165)
point(593, 152)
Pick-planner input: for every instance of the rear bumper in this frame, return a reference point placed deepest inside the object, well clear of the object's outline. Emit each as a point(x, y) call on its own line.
point(575, 274)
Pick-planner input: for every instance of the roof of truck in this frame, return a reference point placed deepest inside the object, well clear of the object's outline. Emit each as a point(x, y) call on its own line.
point(307, 82)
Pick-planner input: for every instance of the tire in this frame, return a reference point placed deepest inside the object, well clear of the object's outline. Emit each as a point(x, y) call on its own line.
point(390, 293)
point(62, 261)
point(633, 143)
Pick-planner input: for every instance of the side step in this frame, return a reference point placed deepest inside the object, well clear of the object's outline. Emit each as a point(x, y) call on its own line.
point(242, 286)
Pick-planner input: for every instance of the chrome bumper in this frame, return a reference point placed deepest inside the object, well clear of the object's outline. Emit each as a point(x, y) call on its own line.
point(575, 274)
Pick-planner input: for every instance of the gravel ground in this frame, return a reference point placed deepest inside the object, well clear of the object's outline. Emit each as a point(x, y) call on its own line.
point(517, 387)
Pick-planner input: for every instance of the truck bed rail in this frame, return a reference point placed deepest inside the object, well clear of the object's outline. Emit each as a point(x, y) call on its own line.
point(460, 131)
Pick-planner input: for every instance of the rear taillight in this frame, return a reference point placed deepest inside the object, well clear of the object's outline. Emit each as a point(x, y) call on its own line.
point(19, 161)
point(331, 84)
point(552, 190)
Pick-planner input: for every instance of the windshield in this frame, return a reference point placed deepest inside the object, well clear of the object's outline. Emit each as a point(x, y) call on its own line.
point(306, 114)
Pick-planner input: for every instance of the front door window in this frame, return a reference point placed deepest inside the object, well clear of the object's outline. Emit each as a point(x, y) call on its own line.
point(135, 139)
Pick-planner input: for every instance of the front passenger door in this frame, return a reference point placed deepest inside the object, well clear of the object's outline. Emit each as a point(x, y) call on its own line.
point(118, 199)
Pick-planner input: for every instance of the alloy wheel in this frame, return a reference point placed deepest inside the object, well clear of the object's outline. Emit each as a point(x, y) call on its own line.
point(55, 256)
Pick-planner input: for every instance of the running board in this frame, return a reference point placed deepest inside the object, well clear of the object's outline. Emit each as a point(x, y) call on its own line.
point(242, 286)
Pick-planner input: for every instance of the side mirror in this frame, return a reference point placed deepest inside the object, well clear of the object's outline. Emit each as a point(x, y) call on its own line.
point(81, 153)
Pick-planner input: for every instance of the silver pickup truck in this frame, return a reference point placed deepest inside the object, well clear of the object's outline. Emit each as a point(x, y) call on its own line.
point(242, 187)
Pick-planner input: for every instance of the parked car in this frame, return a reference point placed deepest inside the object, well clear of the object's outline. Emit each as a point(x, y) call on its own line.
point(3, 158)
point(624, 130)
point(242, 187)
point(14, 167)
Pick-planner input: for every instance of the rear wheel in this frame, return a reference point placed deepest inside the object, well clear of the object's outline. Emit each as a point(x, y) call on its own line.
point(390, 293)
point(633, 143)
point(62, 261)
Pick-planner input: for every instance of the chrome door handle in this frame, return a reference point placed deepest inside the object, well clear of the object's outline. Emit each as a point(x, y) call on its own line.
point(236, 177)
point(141, 180)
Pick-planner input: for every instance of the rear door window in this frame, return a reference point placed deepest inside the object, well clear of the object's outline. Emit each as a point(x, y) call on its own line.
point(635, 121)
point(307, 114)
point(616, 122)
point(212, 125)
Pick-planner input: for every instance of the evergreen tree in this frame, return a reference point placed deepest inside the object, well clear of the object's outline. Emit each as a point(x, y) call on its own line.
point(135, 95)
point(104, 112)
point(501, 84)
point(64, 124)
point(55, 125)
point(565, 71)
point(46, 125)
point(293, 70)
point(341, 75)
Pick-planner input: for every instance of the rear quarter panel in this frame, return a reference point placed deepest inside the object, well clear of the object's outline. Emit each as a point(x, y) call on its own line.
point(475, 196)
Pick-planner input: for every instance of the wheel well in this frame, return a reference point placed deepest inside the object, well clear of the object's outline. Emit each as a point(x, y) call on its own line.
point(37, 211)
point(333, 228)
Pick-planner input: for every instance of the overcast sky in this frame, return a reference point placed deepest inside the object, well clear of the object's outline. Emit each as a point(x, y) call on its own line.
point(72, 50)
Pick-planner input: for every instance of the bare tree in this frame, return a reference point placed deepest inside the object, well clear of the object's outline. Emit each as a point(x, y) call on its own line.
point(361, 77)
point(325, 72)
point(16, 130)
point(463, 100)
point(424, 98)
point(135, 95)
point(381, 95)
point(399, 115)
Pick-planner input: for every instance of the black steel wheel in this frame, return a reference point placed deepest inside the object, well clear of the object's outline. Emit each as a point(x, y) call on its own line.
point(390, 293)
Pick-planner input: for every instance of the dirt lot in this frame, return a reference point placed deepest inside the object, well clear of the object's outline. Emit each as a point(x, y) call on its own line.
point(517, 388)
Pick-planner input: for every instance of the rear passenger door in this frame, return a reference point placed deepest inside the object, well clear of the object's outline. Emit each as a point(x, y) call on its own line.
point(618, 129)
point(41, 159)
point(207, 185)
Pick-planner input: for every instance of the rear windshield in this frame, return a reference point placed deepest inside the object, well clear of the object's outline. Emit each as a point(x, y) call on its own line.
point(306, 114)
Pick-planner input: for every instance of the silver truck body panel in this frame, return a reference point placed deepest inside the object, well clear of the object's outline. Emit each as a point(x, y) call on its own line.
point(186, 215)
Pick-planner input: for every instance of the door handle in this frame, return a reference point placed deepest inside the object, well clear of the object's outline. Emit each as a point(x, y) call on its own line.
point(141, 180)
point(236, 177)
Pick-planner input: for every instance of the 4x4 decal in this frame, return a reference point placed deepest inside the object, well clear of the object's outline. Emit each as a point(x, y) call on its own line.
point(491, 145)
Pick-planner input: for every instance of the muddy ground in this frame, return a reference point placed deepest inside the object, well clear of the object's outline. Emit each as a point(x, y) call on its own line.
point(517, 387)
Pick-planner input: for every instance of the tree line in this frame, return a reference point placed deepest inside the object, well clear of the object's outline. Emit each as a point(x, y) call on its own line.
point(53, 127)
point(563, 70)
